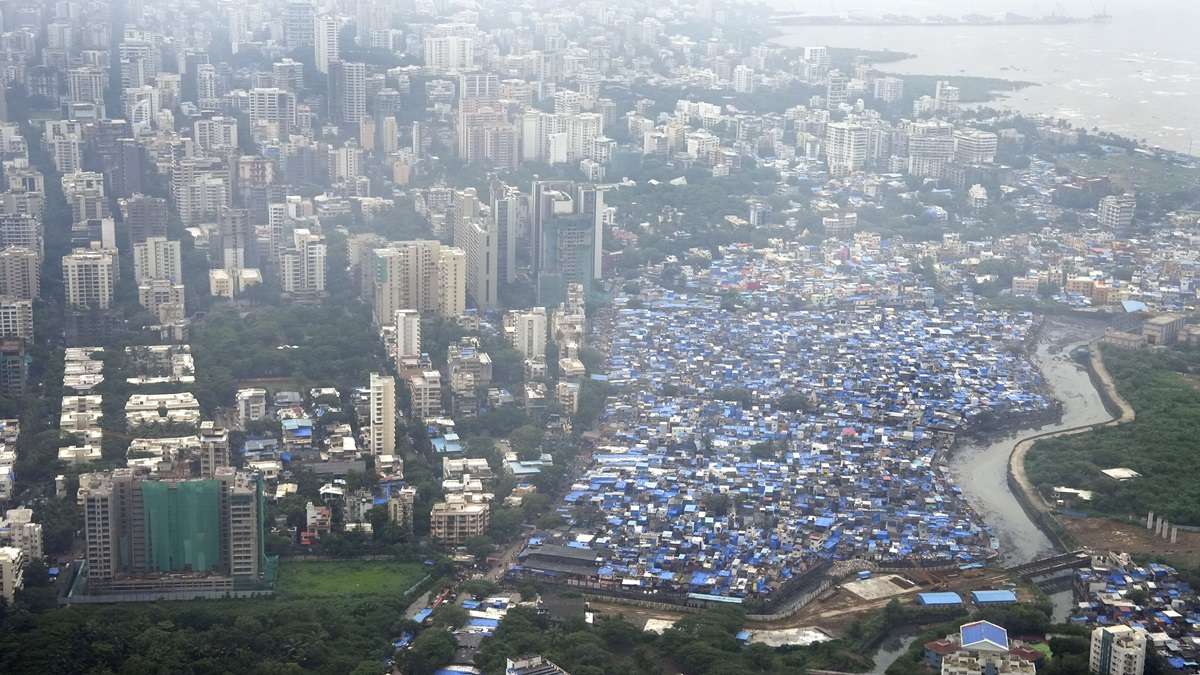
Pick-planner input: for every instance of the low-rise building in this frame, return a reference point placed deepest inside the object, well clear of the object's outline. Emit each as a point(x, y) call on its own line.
point(1162, 329)
point(454, 521)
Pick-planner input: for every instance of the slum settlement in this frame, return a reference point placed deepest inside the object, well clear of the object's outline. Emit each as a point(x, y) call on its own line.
point(776, 409)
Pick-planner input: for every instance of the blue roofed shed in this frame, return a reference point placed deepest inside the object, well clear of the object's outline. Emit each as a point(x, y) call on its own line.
point(946, 599)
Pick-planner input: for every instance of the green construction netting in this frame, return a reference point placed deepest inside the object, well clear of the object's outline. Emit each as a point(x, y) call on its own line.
point(183, 525)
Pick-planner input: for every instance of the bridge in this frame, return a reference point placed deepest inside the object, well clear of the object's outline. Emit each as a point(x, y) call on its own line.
point(1045, 568)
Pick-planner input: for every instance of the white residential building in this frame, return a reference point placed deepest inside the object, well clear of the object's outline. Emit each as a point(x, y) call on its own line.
point(383, 414)
point(408, 334)
point(1117, 650)
point(157, 258)
point(88, 277)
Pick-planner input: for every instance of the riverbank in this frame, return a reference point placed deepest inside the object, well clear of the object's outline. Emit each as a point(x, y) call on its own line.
point(1118, 408)
point(980, 469)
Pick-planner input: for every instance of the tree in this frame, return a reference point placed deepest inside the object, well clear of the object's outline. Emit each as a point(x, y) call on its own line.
point(480, 547)
point(448, 616)
point(431, 650)
point(480, 588)
point(505, 524)
point(527, 440)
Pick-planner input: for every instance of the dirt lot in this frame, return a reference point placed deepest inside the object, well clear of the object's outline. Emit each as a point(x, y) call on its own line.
point(838, 607)
point(1106, 534)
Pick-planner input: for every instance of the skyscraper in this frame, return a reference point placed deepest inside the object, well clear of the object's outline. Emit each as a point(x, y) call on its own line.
point(481, 245)
point(383, 414)
point(325, 42)
point(504, 213)
point(567, 233)
point(347, 92)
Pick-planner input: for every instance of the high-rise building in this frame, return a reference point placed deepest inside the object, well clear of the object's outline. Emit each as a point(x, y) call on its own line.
point(274, 110)
point(214, 448)
point(889, 89)
point(1117, 650)
point(302, 265)
point(14, 367)
point(215, 132)
point(88, 277)
point(421, 275)
point(201, 187)
point(12, 572)
point(566, 235)
point(18, 529)
point(145, 217)
point(288, 75)
point(156, 534)
point(452, 282)
point(504, 213)
point(325, 47)
point(86, 84)
point(526, 331)
point(930, 148)
point(157, 258)
point(975, 146)
point(1116, 212)
point(425, 394)
point(449, 53)
point(298, 24)
point(743, 79)
point(845, 147)
point(163, 299)
point(481, 245)
point(347, 92)
point(21, 231)
point(382, 432)
point(408, 335)
point(16, 318)
point(20, 273)
point(836, 90)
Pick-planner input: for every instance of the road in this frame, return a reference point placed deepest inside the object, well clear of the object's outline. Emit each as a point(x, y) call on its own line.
point(507, 556)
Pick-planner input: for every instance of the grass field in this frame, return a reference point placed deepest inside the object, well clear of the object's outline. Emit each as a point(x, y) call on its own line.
point(1137, 172)
point(343, 578)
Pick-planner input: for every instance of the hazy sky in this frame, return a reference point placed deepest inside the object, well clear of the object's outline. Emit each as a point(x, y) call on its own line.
point(957, 7)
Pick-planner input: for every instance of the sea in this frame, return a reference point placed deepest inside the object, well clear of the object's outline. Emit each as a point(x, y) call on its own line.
point(1137, 75)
